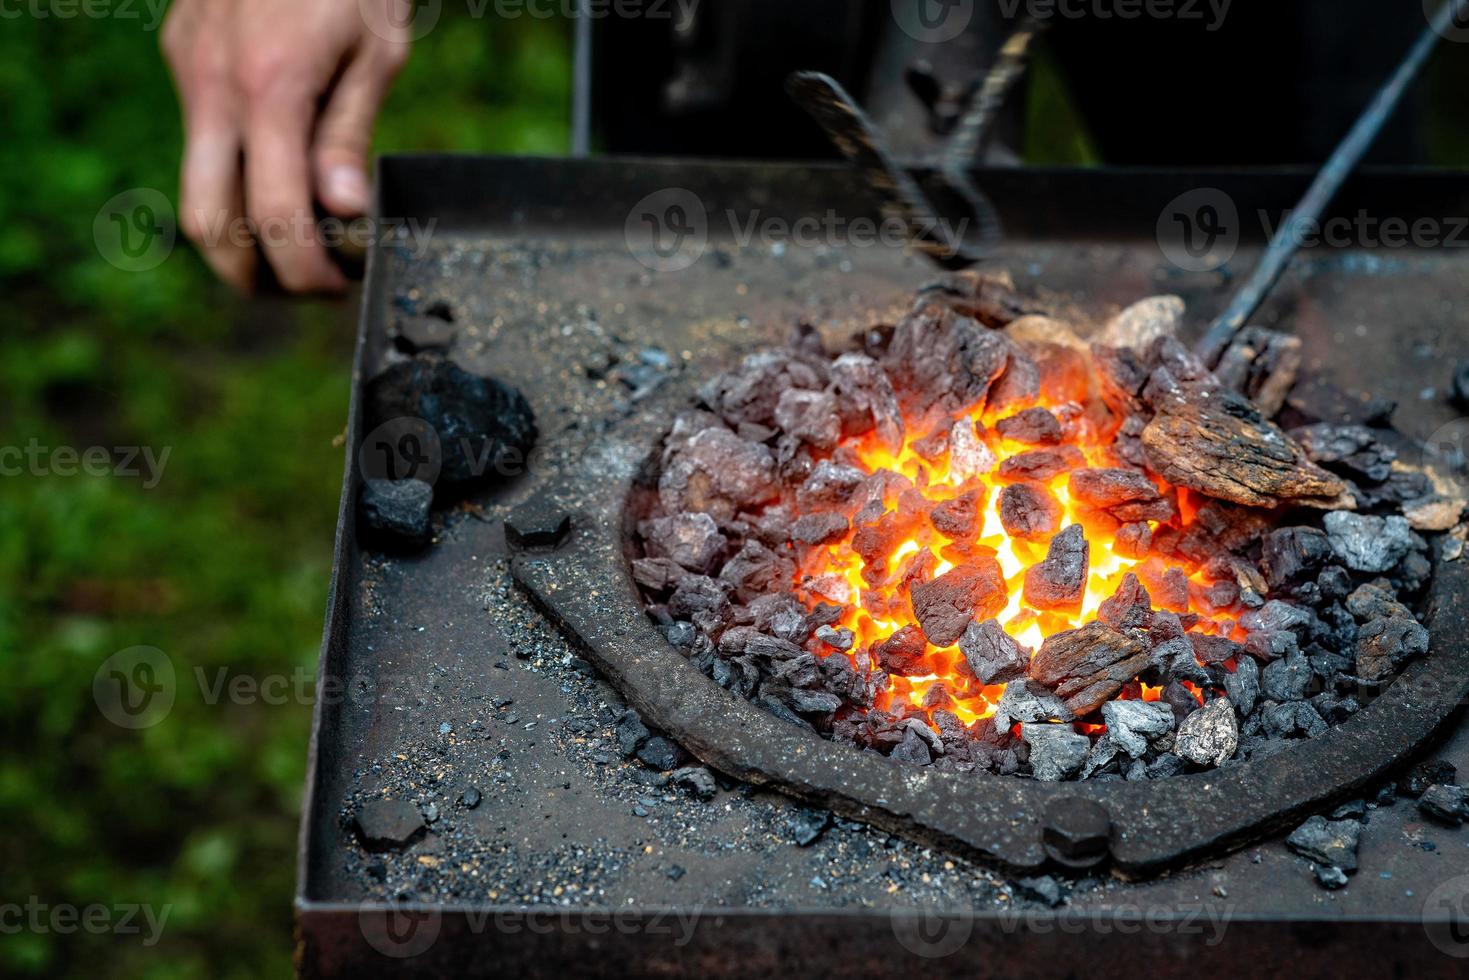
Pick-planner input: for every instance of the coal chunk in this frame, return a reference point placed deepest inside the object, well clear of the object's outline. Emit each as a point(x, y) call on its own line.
point(1130, 607)
point(1444, 803)
point(1088, 666)
point(388, 825)
point(805, 826)
point(485, 427)
point(1210, 649)
point(1032, 426)
point(697, 780)
point(395, 513)
point(992, 654)
point(901, 652)
point(1029, 512)
point(1332, 843)
point(1243, 686)
point(717, 473)
point(958, 518)
point(692, 541)
point(1286, 679)
point(659, 752)
point(1424, 775)
point(864, 392)
point(1041, 465)
point(1135, 725)
point(822, 528)
point(1385, 645)
point(941, 359)
point(1289, 554)
point(630, 732)
point(1210, 736)
point(1056, 752)
point(946, 606)
point(1106, 489)
point(1059, 581)
point(1368, 544)
point(1044, 889)
point(1349, 448)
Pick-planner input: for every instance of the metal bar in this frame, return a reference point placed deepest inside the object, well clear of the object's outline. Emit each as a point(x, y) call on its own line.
point(977, 127)
point(1338, 168)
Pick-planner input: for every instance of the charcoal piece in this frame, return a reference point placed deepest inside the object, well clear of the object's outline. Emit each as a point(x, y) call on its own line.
point(861, 387)
point(1417, 780)
point(1334, 582)
point(1351, 810)
point(1292, 718)
point(1218, 596)
point(388, 825)
point(1278, 615)
point(1027, 701)
point(988, 297)
point(485, 427)
point(902, 652)
point(1327, 842)
point(1174, 660)
point(1385, 645)
point(1214, 441)
point(1033, 426)
point(1029, 512)
point(1352, 449)
point(932, 447)
point(1271, 644)
point(838, 638)
point(751, 392)
point(1088, 666)
point(805, 826)
point(1330, 878)
point(395, 513)
point(656, 574)
point(810, 417)
point(1102, 759)
point(1041, 465)
point(1130, 607)
point(1059, 581)
point(691, 540)
point(958, 519)
point(1164, 766)
point(717, 473)
point(1434, 512)
point(948, 604)
point(784, 617)
point(702, 601)
point(1446, 804)
point(942, 359)
point(756, 571)
point(913, 749)
point(813, 702)
point(1133, 540)
point(1056, 752)
point(829, 485)
point(1135, 725)
point(1168, 586)
point(1288, 554)
point(1286, 679)
point(1180, 699)
point(822, 528)
point(681, 635)
point(1209, 736)
point(1243, 686)
point(1365, 543)
point(1143, 323)
point(1019, 383)
point(1106, 489)
point(696, 780)
point(630, 732)
point(992, 655)
point(1262, 365)
point(968, 457)
point(1045, 890)
point(1411, 574)
point(1211, 649)
point(1121, 374)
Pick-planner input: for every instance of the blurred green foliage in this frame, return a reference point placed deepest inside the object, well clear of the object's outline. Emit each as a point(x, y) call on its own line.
point(224, 564)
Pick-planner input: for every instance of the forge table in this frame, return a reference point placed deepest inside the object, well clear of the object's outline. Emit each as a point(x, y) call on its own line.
point(546, 851)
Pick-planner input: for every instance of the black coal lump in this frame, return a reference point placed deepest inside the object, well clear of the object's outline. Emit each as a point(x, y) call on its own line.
point(395, 513)
point(1425, 774)
point(485, 427)
point(386, 825)
point(1444, 803)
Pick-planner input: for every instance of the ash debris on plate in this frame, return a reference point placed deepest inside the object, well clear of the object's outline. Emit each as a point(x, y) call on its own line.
point(823, 535)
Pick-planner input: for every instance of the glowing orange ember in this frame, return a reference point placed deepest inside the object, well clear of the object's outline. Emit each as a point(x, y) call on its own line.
point(875, 593)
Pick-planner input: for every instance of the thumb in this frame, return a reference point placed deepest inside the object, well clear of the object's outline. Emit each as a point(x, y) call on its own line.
point(344, 134)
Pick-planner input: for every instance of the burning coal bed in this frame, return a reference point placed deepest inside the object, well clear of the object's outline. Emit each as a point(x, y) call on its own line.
point(978, 543)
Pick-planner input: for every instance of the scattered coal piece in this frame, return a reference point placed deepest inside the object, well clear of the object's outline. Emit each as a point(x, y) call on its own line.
point(902, 652)
point(696, 779)
point(1216, 442)
point(395, 513)
point(470, 798)
point(1425, 774)
point(1029, 512)
point(1105, 488)
point(1044, 889)
point(1088, 666)
point(942, 359)
point(1210, 736)
point(992, 654)
point(1041, 465)
point(1332, 843)
point(1289, 554)
point(1056, 751)
point(809, 417)
point(1033, 426)
point(1262, 365)
point(1059, 581)
point(1352, 449)
point(820, 528)
point(863, 390)
point(829, 485)
point(1211, 649)
point(836, 637)
point(1368, 544)
point(1134, 725)
point(692, 541)
point(485, 427)
point(1292, 719)
point(630, 732)
point(948, 604)
point(1133, 540)
point(1385, 645)
point(959, 518)
point(1444, 803)
point(1027, 701)
point(1286, 679)
point(1329, 877)
point(660, 753)
point(806, 826)
point(1243, 686)
point(388, 825)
